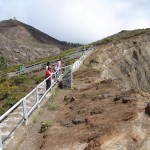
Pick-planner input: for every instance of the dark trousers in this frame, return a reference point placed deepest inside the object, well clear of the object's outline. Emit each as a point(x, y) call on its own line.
point(48, 84)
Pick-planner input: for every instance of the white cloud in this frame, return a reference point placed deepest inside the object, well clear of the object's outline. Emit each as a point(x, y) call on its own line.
point(81, 21)
point(138, 23)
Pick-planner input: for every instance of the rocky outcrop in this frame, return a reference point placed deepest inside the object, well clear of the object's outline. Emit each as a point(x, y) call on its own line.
point(127, 60)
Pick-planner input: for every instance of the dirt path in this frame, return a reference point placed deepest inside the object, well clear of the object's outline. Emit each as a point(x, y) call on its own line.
point(94, 115)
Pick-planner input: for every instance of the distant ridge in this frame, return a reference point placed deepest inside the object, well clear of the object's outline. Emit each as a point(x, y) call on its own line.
point(20, 43)
point(124, 34)
point(38, 35)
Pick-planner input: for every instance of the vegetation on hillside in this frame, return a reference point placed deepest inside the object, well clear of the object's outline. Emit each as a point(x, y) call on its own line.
point(124, 34)
point(44, 60)
point(69, 45)
point(15, 88)
point(3, 63)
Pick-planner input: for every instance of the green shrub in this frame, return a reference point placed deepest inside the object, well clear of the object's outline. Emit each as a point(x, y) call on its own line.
point(19, 79)
point(71, 61)
point(38, 79)
point(10, 101)
point(3, 63)
point(52, 106)
point(13, 68)
point(106, 40)
point(2, 110)
point(49, 123)
point(4, 92)
point(2, 79)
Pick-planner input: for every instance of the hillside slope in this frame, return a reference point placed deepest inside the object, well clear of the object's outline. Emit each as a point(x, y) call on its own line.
point(20, 43)
point(127, 59)
point(96, 115)
point(105, 109)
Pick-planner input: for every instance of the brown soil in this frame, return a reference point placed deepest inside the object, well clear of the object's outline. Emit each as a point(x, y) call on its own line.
point(94, 115)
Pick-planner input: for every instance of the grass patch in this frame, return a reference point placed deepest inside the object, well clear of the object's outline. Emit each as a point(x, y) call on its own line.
point(56, 91)
point(35, 119)
point(74, 86)
point(49, 123)
point(41, 112)
point(52, 106)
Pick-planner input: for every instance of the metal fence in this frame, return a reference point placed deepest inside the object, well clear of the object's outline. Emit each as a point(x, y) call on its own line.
point(39, 66)
point(21, 111)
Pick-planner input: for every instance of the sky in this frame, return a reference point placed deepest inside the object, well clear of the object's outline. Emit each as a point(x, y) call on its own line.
point(79, 21)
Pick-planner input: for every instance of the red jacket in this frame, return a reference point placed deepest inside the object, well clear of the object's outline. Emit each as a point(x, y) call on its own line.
point(48, 73)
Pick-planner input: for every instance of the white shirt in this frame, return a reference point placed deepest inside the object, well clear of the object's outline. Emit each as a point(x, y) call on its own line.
point(59, 64)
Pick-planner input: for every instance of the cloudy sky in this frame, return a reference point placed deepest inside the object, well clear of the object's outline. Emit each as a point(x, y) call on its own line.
point(82, 21)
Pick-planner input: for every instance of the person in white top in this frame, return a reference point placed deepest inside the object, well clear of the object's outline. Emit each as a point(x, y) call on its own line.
point(59, 63)
point(57, 67)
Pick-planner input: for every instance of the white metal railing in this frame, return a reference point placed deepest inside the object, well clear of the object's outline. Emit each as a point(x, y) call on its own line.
point(79, 62)
point(38, 66)
point(35, 97)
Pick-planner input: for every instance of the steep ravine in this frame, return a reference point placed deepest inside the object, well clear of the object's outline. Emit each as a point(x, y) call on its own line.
point(128, 60)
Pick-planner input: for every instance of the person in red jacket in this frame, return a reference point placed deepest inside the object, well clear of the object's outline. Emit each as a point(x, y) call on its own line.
point(48, 73)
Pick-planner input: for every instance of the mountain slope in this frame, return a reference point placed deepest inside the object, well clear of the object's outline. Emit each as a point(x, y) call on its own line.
point(105, 109)
point(16, 30)
point(126, 59)
point(20, 43)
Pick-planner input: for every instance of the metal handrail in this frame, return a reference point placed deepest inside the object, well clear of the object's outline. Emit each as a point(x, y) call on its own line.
point(37, 66)
point(10, 110)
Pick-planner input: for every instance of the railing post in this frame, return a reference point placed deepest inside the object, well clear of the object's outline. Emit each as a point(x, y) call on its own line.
point(50, 82)
point(71, 76)
point(1, 144)
point(45, 86)
point(58, 73)
point(55, 77)
point(75, 65)
point(25, 116)
point(37, 98)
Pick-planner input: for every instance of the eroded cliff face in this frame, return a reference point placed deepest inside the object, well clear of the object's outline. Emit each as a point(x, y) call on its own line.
point(128, 60)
